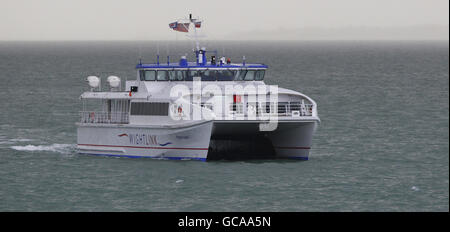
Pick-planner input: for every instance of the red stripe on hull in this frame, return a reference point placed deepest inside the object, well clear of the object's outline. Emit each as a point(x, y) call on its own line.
point(175, 148)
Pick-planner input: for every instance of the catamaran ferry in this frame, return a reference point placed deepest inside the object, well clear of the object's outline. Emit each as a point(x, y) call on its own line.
point(205, 109)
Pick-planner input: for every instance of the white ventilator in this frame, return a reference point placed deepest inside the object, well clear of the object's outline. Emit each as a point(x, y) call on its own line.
point(93, 81)
point(113, 81)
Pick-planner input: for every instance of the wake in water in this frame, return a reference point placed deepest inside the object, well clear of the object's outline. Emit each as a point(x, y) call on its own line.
point(58, 148)
point(13, 141)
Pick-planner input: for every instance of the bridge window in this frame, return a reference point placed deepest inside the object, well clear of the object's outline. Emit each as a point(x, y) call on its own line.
point(225, 75)
point(147, 75)
point(208, 75)
point(205, 75)
point(250, 76)
point(239, 75)
point(192, 74)
point(177, 75)
point(162, 75)
point(259, 75)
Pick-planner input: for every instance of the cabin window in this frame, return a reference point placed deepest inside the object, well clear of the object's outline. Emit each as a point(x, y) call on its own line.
point(208, 75)
point(149, 75)
point(250, 76)
point(192, 74)
point(259, 75)
point(205, 75)
point(149, 108)
point(240, 74)
point(162, 75)
point(177, 75)
point(225, 75)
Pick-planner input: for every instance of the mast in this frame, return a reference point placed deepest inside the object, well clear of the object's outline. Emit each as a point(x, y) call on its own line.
point(182, 25)
point(195, 33)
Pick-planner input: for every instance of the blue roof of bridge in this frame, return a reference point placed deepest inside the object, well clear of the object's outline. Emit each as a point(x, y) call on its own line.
point(176, 65)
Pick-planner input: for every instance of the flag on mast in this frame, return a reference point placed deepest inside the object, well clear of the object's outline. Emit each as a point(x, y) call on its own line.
point(198, 24)
point(182, 27)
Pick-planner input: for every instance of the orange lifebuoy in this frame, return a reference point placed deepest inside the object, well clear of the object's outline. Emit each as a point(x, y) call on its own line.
point(180, 110)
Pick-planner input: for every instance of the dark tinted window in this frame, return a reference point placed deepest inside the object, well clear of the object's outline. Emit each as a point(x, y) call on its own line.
point(150, 108)
point(250, 76)
point(225, 75)
point(192, 74)
point(259, 75)
point(150, 75)
point(220, 75)
point(208, 75)
point(240, 74)
point(162, 75)
point(177, 75)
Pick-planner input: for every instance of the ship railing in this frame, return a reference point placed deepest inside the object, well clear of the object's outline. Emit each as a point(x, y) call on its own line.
point(283, 109)
point(104, 117)
point(293, 109)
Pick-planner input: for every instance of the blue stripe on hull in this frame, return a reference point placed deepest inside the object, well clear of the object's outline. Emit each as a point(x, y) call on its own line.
point(133, 156)
point(298, 158)
point(176, 158)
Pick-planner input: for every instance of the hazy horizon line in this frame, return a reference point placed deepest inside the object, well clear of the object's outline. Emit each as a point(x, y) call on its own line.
point(418, 32)
point(143, 40)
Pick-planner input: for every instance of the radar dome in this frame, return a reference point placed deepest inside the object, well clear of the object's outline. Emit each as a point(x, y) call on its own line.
point(113, 81)
point(93, 81)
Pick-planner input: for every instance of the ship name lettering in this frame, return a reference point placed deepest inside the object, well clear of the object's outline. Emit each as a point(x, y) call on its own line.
point(143, 139)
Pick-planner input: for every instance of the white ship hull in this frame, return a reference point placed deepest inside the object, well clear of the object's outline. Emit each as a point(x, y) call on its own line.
point(188, 142)
point(293, 140)
point(199, 141)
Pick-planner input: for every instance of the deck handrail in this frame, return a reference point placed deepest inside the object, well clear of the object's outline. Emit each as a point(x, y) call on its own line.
point(104, 117)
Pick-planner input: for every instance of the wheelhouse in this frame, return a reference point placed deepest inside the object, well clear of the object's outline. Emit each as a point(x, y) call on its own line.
point(206, 74)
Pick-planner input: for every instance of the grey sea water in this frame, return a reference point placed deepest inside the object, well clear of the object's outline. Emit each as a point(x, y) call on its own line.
point(382, 145)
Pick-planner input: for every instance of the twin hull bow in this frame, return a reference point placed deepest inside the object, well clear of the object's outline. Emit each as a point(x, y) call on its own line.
point(198, 141)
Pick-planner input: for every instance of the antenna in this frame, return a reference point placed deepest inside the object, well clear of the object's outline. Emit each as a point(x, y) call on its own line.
point(157, 52)
point(167, 47)
point(167, 50)
point(140, 53)
point(195, 31)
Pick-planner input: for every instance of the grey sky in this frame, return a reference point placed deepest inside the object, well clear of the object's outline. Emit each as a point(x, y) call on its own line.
point(224, 19)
